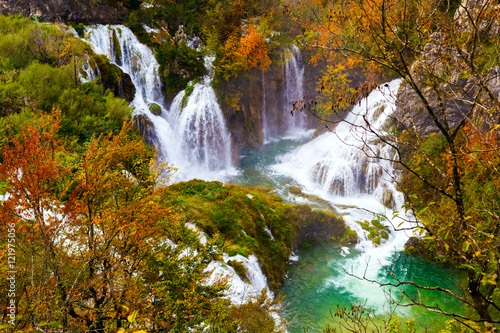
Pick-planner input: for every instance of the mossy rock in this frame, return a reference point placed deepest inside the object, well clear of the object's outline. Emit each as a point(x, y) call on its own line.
point(426, 249)
point(113, 78)
point(313, 226)
point(237, 218)
point(295, 190)
point(146, 129)
point(155, 109)
point(240, 269)
point(376, 230)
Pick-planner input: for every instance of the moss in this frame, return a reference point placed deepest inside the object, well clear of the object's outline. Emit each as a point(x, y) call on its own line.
point(155, 109)
point(187, 92)
point(116, 46)
point(226, 212)
point(240, 269)
point(376, 230)
point(295, 190)
point(350, 237)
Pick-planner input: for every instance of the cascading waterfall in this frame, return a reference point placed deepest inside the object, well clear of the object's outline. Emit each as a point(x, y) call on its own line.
point(337, 164)
point(200, 128)
point(265, 125)
point(335, 167)
point(192, 136)
point(294, 89)
point(278, 123)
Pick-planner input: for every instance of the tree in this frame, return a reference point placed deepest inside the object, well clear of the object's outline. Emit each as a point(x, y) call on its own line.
point(444, 132)
point(94, 242)
point(245, 52)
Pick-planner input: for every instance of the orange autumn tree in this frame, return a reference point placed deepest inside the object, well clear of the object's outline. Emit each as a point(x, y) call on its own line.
point(360, 41)
point(91, 232)
point(245, 52)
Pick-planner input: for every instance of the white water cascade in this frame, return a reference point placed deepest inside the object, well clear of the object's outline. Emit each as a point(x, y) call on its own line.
point(205, 143)
point(294, 89)
point(337, 167)
point(192, 136)
point(278, 122)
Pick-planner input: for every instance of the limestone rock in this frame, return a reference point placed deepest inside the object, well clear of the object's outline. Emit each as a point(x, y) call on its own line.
point(146, 129)
point(458, 93)
point(155, 109)
point(112, 77)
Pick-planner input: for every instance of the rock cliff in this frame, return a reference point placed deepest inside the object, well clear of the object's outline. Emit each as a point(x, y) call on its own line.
point(452, 88)
point(256, 98)
point(87, 11)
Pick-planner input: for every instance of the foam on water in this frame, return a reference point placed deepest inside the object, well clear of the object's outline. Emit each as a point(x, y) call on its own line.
point(342, 167)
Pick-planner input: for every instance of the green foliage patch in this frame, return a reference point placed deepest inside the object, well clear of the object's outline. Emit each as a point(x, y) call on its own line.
point(40, 69)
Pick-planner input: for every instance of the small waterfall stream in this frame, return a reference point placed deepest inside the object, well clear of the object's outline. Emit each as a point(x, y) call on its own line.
point(294, 89)
point(192, 135)
point(278, 122)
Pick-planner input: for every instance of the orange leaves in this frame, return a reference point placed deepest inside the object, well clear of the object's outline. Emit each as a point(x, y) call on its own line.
point(32, 170)
point(246, 52)
point(253, 47)
point(84, 252)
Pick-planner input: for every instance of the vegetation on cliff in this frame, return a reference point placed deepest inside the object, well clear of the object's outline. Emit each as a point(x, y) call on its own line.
point(41, 68)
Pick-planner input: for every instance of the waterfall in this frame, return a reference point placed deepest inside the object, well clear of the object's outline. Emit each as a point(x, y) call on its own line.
point(204, 141)
point(265, 125)
point(192, 136)
point(342, 167)
point(294, 89)
point(278, 122)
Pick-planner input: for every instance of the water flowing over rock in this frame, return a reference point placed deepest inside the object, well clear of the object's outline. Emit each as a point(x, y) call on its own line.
point(276, 110)
point(294, 88)
point(192, 136)
point(339, 162)
point(201, 130)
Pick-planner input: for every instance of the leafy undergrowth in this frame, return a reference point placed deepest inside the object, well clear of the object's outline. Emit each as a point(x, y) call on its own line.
point(245, 220)
point(238, 218)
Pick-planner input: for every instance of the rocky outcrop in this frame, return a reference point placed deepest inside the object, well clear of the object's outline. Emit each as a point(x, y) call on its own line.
point(243, 100)
point(146, 129)
point(313, 226)
point(87, 11)
point(454, 92)
point(453, 89)
point(113, 78)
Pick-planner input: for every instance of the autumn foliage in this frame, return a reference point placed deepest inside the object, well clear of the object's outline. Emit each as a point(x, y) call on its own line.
point(245, 52)
point(94, 241)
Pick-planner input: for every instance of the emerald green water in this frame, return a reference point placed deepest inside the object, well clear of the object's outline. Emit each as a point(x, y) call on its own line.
point(316, 284)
